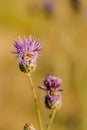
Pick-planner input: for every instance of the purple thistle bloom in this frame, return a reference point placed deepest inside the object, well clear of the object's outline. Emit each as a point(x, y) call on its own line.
point(53, 95)
point(27, 53)
point(53, 101)
point(52, 82)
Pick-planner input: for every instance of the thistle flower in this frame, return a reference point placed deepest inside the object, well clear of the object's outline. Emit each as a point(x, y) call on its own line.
point(29, 127)
point(51, 83)
point(51, 87)
point(53, 101)
point(26, 51)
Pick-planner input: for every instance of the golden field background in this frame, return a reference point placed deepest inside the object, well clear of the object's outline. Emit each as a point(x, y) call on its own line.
point(64, 40)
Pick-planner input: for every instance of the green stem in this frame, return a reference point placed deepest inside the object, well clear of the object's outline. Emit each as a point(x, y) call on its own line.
point(51, 119)
point(35, 100)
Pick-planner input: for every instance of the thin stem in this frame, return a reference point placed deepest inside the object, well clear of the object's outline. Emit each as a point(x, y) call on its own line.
point(35, 100)
point(51, 119)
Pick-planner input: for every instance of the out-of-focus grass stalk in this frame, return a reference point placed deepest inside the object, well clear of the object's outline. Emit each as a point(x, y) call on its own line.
point(51, 119)
point(36, 102)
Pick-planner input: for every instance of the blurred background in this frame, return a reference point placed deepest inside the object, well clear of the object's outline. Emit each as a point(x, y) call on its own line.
point(61, 26)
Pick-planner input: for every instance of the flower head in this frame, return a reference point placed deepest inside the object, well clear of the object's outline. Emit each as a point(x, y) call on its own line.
point(28, 127)
point(52, 83)
point(26, 51)
point(53, 101)
point(51, 87)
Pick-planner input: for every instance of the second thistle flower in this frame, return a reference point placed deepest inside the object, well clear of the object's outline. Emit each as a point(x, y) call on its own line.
point(27, 53)
point(53, 96)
